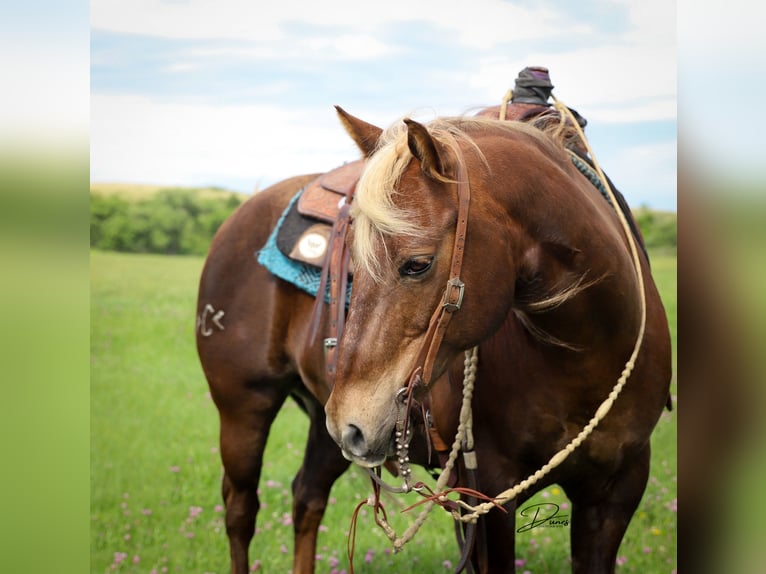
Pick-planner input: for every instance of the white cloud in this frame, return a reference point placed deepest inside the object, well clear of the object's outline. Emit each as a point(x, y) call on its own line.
point(644, 173)
point(629, 79)
point(651, 21)
point(136, 139)
point(345, 47)
point(482, 24)
point(232, 19)
point(660, 110)
point(610, 83)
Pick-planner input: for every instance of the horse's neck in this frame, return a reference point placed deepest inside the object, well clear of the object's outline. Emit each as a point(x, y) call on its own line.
point(576, 282)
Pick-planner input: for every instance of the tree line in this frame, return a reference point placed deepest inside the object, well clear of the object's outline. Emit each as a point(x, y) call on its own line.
point(183, 222)
point(171, 221)
point(659, 228)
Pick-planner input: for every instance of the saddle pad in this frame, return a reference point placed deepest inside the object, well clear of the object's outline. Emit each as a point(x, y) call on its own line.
point(305, 277)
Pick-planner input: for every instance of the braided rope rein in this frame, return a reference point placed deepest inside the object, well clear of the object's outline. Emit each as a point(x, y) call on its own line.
point(603, 409)
point(465, 427)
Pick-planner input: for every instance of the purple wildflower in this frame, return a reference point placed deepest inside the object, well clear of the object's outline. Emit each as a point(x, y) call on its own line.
point(119, 557)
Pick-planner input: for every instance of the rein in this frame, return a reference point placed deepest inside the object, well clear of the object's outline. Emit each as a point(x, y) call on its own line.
point(441, 317)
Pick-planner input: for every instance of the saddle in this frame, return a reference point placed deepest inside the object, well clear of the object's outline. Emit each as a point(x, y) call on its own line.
point(306, 230)
point(324, 197)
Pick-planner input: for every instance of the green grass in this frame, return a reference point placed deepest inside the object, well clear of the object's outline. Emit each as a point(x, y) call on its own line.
point(155, 467)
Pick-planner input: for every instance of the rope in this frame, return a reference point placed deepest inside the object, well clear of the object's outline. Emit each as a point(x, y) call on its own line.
point(504, 105)
point(606, 405)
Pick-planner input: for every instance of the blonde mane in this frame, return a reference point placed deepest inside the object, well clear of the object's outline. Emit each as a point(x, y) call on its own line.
point(374, 211)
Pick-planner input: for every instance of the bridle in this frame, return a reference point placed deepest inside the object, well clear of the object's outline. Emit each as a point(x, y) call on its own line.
point(452, 300)
point(419, 382)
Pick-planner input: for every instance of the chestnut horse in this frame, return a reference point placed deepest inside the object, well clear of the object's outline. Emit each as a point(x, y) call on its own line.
point(542, 277)
point(252, 330)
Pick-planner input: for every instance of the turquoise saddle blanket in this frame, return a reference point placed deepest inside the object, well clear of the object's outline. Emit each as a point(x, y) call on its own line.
point(304, 276)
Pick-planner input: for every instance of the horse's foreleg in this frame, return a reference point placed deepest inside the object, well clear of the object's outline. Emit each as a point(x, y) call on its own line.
point(495, 549)
point(322, 465)
point(243, 440)
point(601, 516)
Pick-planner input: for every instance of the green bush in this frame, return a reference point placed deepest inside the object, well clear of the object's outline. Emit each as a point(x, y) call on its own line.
point(659, 228)
point(171, 221)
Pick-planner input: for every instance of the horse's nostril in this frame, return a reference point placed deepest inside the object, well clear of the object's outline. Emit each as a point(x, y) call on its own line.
point(353, 440)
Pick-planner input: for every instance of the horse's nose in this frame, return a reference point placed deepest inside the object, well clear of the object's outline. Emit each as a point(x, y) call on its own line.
point(353, 441)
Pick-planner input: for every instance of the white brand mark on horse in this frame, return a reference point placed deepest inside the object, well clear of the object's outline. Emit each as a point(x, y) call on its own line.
point(215, 318)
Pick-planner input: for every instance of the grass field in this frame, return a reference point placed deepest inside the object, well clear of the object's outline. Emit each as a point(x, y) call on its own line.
point(155, 467)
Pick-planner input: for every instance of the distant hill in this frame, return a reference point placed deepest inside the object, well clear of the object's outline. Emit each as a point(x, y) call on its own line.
point(141, 191)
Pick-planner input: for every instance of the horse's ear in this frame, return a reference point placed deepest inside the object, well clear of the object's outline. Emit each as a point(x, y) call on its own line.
point(424, 149)
point(365, 135)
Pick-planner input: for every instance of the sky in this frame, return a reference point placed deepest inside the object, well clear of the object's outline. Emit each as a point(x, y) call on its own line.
point(240, 94)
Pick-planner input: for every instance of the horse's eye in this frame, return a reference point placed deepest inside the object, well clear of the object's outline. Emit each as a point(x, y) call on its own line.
point(415, 266)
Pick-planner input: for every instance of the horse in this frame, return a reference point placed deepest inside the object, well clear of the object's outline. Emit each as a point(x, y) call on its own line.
point(471, 233)
point(252, 333)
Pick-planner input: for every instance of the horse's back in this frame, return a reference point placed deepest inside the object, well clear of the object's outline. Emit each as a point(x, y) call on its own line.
point(240, 305)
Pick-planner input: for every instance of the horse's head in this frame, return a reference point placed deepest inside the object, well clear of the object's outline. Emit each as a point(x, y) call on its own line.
point(412, 254)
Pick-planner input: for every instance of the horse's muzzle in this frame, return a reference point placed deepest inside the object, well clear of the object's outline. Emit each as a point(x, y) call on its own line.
point(356, 448)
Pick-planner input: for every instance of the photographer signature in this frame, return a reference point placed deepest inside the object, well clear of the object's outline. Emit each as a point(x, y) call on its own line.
point(545, 515)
